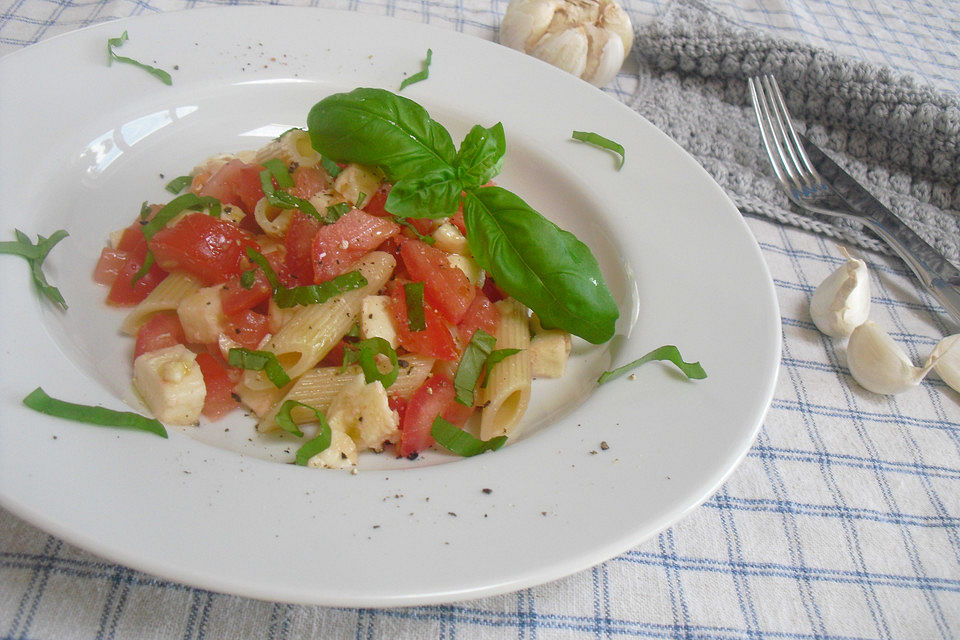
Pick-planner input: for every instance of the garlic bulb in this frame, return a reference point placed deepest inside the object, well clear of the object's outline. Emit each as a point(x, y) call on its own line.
point(842, 302)
point(947, 365)
point(879, 364)
point(588, 38)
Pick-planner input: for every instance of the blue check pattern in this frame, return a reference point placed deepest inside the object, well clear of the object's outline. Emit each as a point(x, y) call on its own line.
point(842, 522)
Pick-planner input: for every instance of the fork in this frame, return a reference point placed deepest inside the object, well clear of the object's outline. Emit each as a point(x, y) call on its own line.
point(809, 190)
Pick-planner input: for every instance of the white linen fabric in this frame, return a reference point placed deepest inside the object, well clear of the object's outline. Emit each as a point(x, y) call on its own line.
point(843, 521)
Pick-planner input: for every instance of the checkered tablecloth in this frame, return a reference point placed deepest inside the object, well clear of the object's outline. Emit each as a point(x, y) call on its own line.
point(842, 522)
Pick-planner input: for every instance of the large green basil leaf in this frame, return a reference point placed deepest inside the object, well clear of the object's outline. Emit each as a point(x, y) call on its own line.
point(481, 155)
point(379, 128)
point(538, 263)
point(435, 195)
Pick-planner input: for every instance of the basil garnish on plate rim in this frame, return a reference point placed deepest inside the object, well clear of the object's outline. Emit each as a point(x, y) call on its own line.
point(38, 400)
point(113, 56)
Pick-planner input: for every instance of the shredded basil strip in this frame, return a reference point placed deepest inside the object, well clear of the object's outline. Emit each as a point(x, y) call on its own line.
point(409, 225)
point(148, 261)
point(450, 436)
point(145, 209)
point(285, 420)
point(247, 278)
point(423, 74)
point(259, 361)
point(177, 206)
point(365, 353)
point(416, 317)
point(669, 352)
point(497, 355)
point(112, 56)
point(35, 254)
point(604, 143)
point(332, 167)
point(277, 170)
point(337, 211)
point(178, 184)
point(315, 445)
point(307, 294)
point(38, 400)
point(474, 357)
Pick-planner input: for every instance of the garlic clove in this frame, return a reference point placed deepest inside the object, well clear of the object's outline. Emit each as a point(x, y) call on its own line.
point(842, 301)
point(567, 50)
point(575, 35)
point(879, 364)
point(947, 364)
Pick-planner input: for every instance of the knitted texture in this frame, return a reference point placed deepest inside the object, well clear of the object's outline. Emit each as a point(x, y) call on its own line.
point(899, 139)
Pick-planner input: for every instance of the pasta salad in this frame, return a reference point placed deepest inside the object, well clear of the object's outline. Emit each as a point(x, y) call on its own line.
point(289, 282)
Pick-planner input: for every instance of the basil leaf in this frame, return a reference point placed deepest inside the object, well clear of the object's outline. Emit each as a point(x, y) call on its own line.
point(436, 195)
point(604, 143)
point(668, 352)
point(420, 75)
point(314, 446)
point(406, 223)
point(497, 355)
point(365, 352)
point(38, 400)
point(332, 167)
point(278, 169)
point(259, 361)
point(318, 293)
point(148, 261)
point(178, 184)
point(481, 155)
point(170, 211)
point(285, 420)
point(413, 295)
point(471, 364)
point(538, 263)
point(451, 437)
point(337, 211)
point(378, 128)
point(247, 278)
point(35, 254)
point(112, 56)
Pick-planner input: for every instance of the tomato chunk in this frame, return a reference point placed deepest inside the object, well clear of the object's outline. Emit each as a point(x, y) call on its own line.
point(339, 246)
point(159, 332)
point(446, 287)
point(235, 298)
point(308, 181)
point(481, 315)
point(434, 340)
point(236, 183)
point(109, 265)
point(299, 244)
point(220, 381)
point(126, 291)
point(248, 328)
point(206, 247)
point(426, 403)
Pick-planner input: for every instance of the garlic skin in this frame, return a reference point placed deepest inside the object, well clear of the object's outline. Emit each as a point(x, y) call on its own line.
point(588, 38)
point(947, 364)
point(879, 364)
point(841, 303)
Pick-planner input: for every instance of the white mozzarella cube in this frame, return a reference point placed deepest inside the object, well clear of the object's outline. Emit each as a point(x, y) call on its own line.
point(468, 265)
point(447, 237)
point(201, 315)
point(171, 384)
point(363, 412)
point(549, 351)
point(341, 454)
point(376, 319)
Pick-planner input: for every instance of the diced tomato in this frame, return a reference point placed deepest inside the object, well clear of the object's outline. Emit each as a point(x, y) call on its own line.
point(109, 265)
point(299, 244)
point(457, 413)
point(125, 292)
point(334, 357)
point(235, 298)
point(434, 340)
point(446, 287)
point(375, 205)
point(308, 181)
point(338, 246)
point(220, 381)
point(424, 226)
point(481, 315)
point(397, 404)
point(133, 241)
point(159, 332)
point(247, 327)
point(425, 405)
point(206, 247)
point(492, 291)
point(236, 183)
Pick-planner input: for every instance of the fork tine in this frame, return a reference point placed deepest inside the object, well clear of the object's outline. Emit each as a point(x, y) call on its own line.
point(784, 143)
point(770, 144)
point(798, 154)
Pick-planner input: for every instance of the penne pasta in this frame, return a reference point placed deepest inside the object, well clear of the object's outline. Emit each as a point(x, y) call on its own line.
point(166, 297)
point(507, 394)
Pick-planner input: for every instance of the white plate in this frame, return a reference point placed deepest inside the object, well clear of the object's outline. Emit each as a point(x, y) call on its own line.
point(84, 144)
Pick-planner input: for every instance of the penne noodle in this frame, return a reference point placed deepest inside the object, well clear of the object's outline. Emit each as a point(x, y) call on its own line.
point(293, 147)
point(507, 394)
point(273, 220)
point(165, 297)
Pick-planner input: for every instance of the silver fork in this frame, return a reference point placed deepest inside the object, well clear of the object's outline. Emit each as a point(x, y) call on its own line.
point(809, 190)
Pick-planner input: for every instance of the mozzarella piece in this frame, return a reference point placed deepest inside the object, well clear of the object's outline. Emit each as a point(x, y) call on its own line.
point(447, 237)
point(376, 319)
point(549, 351)
point(363, 412)
point(468, 265)
point(201, 315)
point(341, 454)
point(171, 384)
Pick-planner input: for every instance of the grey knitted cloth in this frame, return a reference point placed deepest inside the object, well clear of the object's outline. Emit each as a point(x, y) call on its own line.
point(899, 139)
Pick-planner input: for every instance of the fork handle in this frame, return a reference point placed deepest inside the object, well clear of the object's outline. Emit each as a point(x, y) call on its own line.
point(933, 271)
